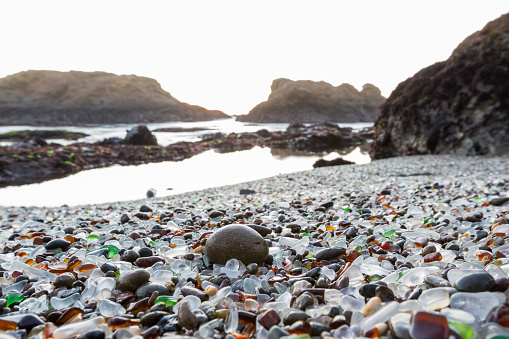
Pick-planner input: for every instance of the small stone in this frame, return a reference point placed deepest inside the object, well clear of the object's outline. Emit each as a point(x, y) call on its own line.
point(371, 305)
point(145, 209)
point(148, 261)
point(211, 291)
point(146, 290)
point(276, 332)
point(130, 256)
point(94, 334)
point(252, 268)
point(188, 290)
point(64, 280)
point(106, 267)
point(499, 201)
point(293, 316)
point(215, 214)
point(57, 244)
point(145, 252)
point(125, 218)
point(151, 192)
point(186, 318)
point(475, 282)
point(209, 309)
point(303, 301)
point(30, 321)
point(329, 253)
point(368, 290)
point(262, 230)
point(236, 242)
point(384, 293)
point(152, 318)
point(131, 280)
point(268, 319)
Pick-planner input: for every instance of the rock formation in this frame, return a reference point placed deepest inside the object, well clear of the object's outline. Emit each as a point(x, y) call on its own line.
point(79, 98)
point(458, 106)
point(309, 101)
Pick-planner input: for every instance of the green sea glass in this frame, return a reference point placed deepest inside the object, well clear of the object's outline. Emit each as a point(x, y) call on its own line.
point(92, 239)
point(462, 329)
point(112, 250)
point(389, 233)
point(166, 299)
point(13, 297)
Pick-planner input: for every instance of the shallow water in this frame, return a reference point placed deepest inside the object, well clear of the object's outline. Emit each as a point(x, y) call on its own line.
point(98, 133)
point(209, 169)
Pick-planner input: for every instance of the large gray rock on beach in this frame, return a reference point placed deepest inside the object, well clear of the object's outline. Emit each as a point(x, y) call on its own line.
point(236, 242)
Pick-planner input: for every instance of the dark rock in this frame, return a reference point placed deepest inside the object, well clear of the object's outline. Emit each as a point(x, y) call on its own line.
point(384, 293)
point(246, 192)
point(131, 280)
point(475, 282)
point(368, 290)
point(498, 201)
point(57, 244)
point(239, 242)
point(216, 214)
point(145, 209)
point(140, 135)
point(303, 301)
point(147, 289)
point(309, 101)
point(262, 230)
point(130, 256)
point(152, 318)
point(186, 318)
point(125, 218)
point(294, 316)
point(94, 334)
point(329, 253)
point(64, 280)
point(458, 106)
point(30, 321)
point(276, 332)
point(334, 162)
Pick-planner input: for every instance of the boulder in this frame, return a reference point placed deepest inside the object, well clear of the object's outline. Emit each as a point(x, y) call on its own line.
point(140, 135)
point(308, 101)
point(458, 106)
point(236, 242)
point(80, 98)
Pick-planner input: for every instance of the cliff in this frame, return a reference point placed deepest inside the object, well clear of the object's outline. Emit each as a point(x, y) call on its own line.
point(312, 102)
point(79, 98)
point(458, 106)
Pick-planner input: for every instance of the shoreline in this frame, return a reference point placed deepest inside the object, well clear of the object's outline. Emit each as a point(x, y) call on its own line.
point(368, 242)
point(33, 163)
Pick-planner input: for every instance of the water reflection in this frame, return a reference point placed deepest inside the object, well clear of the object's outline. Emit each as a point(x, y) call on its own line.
point(120, 183)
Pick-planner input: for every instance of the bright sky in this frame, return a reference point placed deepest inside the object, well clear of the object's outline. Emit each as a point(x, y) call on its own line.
point(225, 54)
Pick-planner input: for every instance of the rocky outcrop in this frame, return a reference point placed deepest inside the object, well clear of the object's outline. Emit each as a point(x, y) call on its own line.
point(80, 98)
point(311, 102)
point(458, 106)
point(140, 135)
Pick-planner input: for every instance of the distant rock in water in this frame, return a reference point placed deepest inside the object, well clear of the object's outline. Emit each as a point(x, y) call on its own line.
point(80, 98)
point(458, 106)
point(334, 162)
point(140, 135)
point(307, 101)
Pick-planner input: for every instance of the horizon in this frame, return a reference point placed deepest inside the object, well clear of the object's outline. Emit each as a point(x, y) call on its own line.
point(203, 55)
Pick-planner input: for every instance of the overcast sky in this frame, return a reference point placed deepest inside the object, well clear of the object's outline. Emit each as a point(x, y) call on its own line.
point(225, 54)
